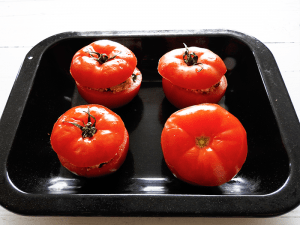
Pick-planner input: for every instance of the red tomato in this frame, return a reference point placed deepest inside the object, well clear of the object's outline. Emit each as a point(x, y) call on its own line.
point(182, 98)
point(204, 145)
point(112, 99)
point(193, 68)
point(102, 65)
point(90, 140)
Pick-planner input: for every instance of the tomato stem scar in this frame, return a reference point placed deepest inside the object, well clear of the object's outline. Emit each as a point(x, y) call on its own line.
point(202, 141)
point(190, 59)
point(89, 129)
point(102, 58)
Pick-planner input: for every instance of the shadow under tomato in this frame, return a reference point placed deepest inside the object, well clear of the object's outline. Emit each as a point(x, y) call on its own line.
point(67, 182)
point(239, 185)
point(166, 109)
point(131, 113)
point(177, 186)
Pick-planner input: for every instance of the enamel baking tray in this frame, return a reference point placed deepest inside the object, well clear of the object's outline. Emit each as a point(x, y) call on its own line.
point(32, 181)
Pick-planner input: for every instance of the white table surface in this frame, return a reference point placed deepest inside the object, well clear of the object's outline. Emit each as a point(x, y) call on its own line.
point(25, 23)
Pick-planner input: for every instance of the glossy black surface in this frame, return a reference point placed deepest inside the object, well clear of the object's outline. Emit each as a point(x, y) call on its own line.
point(144, 186)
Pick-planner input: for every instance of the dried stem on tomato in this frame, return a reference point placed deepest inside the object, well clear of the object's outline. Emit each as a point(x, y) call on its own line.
point(102, 58)
point(190, 58)
point(89, 129)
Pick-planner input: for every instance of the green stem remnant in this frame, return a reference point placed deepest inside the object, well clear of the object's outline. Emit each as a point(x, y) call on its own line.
point(202, 141)
point(102, 58)
point(89, 129)
point(190, 59)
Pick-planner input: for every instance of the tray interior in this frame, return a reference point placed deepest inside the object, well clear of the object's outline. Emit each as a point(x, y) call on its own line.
point(33, 166)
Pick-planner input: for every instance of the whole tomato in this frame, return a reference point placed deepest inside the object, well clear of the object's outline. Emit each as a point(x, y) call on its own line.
point(192, 76)
point(105, 73)
point(204, 145)
point(90, 140)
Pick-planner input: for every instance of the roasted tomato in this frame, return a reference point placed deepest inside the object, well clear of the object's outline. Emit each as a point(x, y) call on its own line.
point(105, 73)
point(90, 140)
point(116, 96)
point(192, 76)
point(204, 145)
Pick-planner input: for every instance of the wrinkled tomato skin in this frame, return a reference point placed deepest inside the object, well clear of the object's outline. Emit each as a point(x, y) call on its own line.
point(98, 155)
point(214, 163)
point(109, 99)
point(182, 98)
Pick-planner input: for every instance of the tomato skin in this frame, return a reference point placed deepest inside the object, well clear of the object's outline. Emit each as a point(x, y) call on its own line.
point(109, 99)
point(105, 169)
point(214, 163)
point(206, 73)
point(90, 73)
point(182, 98)
point(108, 146)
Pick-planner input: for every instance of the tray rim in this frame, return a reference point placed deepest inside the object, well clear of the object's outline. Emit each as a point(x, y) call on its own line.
point(25, 203)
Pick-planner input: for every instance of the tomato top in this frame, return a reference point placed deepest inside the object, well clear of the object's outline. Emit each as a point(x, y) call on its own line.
point(68, 140)
point(204, 144)
point(192, 68)
point(102, 64)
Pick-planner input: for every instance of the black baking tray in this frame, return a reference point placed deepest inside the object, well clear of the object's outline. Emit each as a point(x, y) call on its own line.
point(33, 182)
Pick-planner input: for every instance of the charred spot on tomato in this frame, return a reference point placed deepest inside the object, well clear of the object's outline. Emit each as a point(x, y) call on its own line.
point(101, 164)
point(134, 76)
point(217, 84)
point(107, 90)
point(202, 141)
